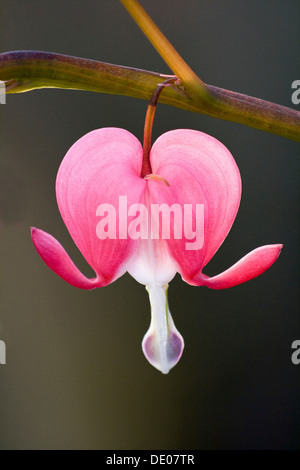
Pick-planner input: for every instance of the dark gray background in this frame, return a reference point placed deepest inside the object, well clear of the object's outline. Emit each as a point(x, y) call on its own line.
point(75, 375)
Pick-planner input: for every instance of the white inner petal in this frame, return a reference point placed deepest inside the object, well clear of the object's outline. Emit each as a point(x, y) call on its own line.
point(162, 344)
point(152, 263)
point(153, 266)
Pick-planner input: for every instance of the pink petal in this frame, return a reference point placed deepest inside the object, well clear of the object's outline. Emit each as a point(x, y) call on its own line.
point(54, 255)
point(98, 168)
point(250, 266)
point(200, 170)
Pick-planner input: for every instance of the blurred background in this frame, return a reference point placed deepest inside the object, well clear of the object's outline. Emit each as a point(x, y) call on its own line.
point(75, 376)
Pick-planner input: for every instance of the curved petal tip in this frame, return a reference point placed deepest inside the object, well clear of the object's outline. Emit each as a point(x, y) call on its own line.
point(55, 256)
point(250, 266)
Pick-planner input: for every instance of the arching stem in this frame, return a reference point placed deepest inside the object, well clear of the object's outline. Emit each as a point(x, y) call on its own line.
point(146, 166)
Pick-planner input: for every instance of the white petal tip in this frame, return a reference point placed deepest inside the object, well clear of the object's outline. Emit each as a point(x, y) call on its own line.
point(163, 355)
point(162, 344)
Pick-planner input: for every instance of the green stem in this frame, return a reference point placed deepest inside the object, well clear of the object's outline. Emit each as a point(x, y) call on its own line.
point(193, 84)
point(29, 70)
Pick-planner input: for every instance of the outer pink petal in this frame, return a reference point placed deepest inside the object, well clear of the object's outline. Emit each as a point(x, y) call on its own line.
point(250, 266)
point(200, 170)
point(98, 168)
point(55, 256)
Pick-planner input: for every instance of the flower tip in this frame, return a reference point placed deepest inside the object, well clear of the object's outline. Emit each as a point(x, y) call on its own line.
point(56, 258)
point(250, 266)
point(35, 232)
point(36, 235)
point(163, 356)
point(280, 246)
point(162, 344)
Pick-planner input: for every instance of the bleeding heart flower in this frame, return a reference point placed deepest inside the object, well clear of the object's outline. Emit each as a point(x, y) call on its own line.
point(194, 178)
